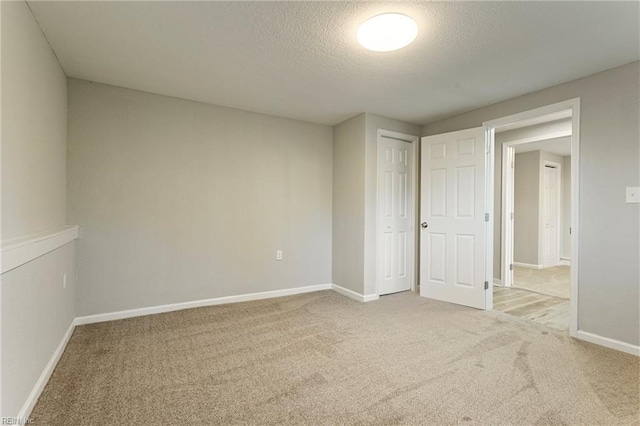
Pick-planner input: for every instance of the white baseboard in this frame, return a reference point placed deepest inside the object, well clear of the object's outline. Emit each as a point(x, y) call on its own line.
point(370, 297)
point(497, 281)
point(609, 343)
point(28, 405)
point(565, 262)
point(353, 295)
point(130, 313)
point(527, 265)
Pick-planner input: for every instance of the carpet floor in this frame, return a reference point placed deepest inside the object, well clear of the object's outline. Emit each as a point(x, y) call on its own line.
point(321, 358)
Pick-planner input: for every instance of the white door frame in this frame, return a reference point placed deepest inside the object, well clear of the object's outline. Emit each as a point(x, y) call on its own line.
point(412, 256)
point(574, 105)
point(508, 206)
point(489, 160)
point(541, 237)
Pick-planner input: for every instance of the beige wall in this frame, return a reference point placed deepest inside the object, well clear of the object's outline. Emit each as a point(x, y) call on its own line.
point(35, 309)
point(348, 203)
point(526, 206)
point(36, 313)
point(180, 201)
point(609, 278)
point(355, 172)
point(34, 128)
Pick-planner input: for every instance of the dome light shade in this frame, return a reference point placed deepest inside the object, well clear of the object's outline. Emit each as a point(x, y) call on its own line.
point(387, 32)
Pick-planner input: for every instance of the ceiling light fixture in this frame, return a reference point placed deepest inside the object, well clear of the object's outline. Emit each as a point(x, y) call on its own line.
point(387, 32)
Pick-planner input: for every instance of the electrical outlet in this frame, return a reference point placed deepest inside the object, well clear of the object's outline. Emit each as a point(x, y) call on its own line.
point(64, 281)
point(278, 254)
point(633, 195)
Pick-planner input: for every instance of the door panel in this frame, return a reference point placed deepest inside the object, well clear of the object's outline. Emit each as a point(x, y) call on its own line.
point(452, 259)
point(438, 193)
point(465, 192)
point(464, 259)
point(437, 252)
point(395, 230)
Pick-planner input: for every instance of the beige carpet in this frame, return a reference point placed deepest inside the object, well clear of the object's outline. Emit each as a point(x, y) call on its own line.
point(321, 358)
point(554, 281)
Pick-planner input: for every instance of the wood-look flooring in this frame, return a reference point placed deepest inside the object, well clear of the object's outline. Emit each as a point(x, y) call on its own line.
point(554, 281)
point(544, 309)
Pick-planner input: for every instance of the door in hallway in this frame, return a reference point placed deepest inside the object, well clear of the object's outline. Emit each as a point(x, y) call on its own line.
point(395, 206)
point(550, 216)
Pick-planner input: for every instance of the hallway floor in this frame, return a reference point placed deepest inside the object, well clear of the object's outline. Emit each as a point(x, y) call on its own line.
point(546, 310)
point(539, 295)
point(554, 281)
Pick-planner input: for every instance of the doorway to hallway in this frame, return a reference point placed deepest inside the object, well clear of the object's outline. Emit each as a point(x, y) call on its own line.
point(533, 204)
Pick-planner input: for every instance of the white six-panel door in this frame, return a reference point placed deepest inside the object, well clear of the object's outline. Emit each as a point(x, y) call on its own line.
point(395, 206)
point(453, 243)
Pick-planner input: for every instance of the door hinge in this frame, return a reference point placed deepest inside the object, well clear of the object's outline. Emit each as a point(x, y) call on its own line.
point(486, 285)
point(511, 267)
point(486, 217)
point(511, 215)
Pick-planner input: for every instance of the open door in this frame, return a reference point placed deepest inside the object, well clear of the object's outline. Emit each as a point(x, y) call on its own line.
point(453, 239)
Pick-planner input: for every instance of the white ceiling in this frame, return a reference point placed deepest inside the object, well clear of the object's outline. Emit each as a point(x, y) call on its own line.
point(537, 132)
point(558, 146)
point(301, 59)
point(543, 133)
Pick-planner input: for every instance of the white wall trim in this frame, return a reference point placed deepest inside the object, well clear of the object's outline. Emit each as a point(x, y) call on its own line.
point(527, 265)
point(507, 210)
point(609, 343)
point(26, 409)
point(353, 295)
point(370, 297)
point(497, 281)
point(18, 251)
point(565, 262)
point(536, 112)
point(130, 313)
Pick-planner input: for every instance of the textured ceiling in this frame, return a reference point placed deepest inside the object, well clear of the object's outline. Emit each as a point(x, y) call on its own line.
point(301, 59)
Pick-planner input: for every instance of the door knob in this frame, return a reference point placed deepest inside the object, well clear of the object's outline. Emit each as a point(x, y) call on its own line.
point(424, 225)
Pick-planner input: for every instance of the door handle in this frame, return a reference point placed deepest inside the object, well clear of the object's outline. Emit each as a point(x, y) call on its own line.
point(424, 225)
